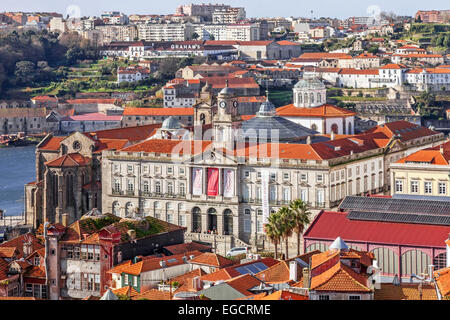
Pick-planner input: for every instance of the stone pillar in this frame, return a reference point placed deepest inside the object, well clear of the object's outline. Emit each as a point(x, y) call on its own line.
point(220, 223)
point(205, 181)
point(220, 182)
point(189, 181)
point(61, 203)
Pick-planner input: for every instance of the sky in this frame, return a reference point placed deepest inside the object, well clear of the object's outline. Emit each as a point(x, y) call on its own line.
point(255, 8)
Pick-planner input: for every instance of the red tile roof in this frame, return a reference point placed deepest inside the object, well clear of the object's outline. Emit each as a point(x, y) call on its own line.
point(329, 225)
point(340, 278)
point(323, 111)
point(169, 146)
point(186, 247)
point(126, 291)
point(69, 160)
point(212, 260)
point(243, 283)
point(442, 278)
point(359, 71)
point(92, 101)
point(153, 294)
point(158, 112)
point(284, 295)
point(20, 240)
point(406, 130)
point(325, 55)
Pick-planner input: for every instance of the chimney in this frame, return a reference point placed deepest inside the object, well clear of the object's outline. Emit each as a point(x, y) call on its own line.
point(132, 234)
point(441, 149)
point(197, 284)
point(27, 247)
point(306, 278)
point(293, 271)
point(65, 219)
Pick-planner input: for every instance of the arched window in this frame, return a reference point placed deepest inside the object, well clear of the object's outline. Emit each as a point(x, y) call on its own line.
point(202, 118)
point(415, 261)
point(227, 222)
point(169, 188)
point(158, 187)
point(387, 260)
point(317, 246)
point(314, 127)
point(312, 98)
point(319, 98)
point(116, 208)
point(300, 98)
point(349, 128)
point(334, 128)
point(196, 220)
point(306, 98)
point(128, 209)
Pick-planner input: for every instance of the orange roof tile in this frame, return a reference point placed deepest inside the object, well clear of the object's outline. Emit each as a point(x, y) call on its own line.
point(285, 295)
point(243, 283)
point(404, 291)
point(158, 111)
point(69, 160)
point(35, 272)
point(212, 259)
point(52, 143)
point(153, 294)
point(169, 146)
point(323, 111)
point(340, 278)
point(442, 278)
point(126, 291)
point(20, 240)
point(8, 252)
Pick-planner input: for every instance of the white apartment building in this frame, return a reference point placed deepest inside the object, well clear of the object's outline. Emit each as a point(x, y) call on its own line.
point(166, 31)
point(228, 16)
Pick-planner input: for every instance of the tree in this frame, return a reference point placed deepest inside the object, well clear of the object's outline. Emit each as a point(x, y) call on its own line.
point(25, 71)
point(273, 231)
point(301, 215)
point(287, 226)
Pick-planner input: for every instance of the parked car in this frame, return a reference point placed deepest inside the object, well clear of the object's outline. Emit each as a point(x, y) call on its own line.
point(237, 251)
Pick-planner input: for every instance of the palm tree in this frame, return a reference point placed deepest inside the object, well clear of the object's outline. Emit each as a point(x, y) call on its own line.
point(302, 218)
point(287, 225)
point(273, 231)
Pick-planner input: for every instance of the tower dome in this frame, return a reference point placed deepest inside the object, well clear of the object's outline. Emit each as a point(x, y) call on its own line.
point(171, 123)
point(227, 91)
point(309, 93)
point(267, 109)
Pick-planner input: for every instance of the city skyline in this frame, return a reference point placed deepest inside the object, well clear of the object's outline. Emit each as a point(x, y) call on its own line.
point(262, 8)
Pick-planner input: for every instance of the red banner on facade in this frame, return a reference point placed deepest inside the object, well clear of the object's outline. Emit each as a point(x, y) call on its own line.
point(213, 182)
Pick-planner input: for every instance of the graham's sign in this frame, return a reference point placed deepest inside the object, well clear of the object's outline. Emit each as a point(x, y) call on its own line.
point(185, 46)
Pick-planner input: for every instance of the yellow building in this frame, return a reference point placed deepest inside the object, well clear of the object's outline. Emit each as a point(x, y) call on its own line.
point(423, 173)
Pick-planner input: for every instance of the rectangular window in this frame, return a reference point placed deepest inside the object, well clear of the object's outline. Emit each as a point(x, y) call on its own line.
point(273, 176)
point(354, 297)
point(428, 187)
point(182, 220)
point(319, 177)
point(247, 226)
point(304, 195)
point(83, 253)
point(349, 172)
point(181, 171)
point(303, 177)
point(169, 170)
point(90, 253)
point(76, 252)
point(324, 297)
point(259, 226)
point(357, 170)
point(247, 174)
point(442, 188)
point(129, 168)
point(398, 186)
point(286, 176)
point(414, 186)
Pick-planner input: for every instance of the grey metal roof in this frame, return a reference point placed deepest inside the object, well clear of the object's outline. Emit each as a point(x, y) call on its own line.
point(286, 129)
point(418, 211)
point(306, 83)
point(392, 205)
point(420, 197)
point(400, 217)
point(171, 123)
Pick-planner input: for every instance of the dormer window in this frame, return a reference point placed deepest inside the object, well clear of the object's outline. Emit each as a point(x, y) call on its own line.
point(76, 145)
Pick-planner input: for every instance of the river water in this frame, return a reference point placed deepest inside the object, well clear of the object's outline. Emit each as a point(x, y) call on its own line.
point(17, 168)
